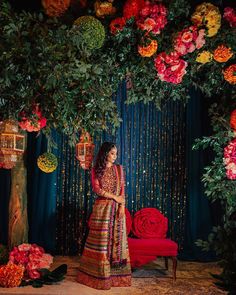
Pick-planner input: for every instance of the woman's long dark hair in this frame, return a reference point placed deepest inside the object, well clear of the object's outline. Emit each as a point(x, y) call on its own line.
point(100, 163)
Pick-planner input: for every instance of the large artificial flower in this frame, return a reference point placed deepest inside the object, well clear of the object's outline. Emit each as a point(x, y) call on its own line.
point(222, 53)
point(55, 7)
point(152, 17)
point(230, 159)
point(132, 8)
point(148, 49)
point(170, 67)
point(33, 122)
point(206, 14)
point(32, 257)
point(11, 275)
point(189, 39)
point(47, 162)
point(230, 74)
point(117, 25)
point(233, 120)
point(204, 57)
point(91, 31)
point(104, 8)
point(230, 16)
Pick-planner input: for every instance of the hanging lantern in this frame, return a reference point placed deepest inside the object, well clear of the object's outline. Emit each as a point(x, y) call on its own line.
point(85, 150)
point(12, 143)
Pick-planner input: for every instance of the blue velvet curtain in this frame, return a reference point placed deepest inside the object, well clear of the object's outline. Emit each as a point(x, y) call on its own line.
point(161, 171)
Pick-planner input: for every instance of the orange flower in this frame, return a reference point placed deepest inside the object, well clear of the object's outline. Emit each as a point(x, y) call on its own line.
point(148, 50)
point(233, 120)
point(55, 7)
point(230, 74)
point(222, 53)
point(11, 275)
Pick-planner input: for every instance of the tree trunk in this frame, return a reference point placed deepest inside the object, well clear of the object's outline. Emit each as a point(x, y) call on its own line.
point(18, 219)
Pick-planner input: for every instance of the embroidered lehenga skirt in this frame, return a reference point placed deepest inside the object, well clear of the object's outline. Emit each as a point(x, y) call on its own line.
point(105, 260)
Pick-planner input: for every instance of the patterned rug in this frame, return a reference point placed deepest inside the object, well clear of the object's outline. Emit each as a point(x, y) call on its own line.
point(193, 278)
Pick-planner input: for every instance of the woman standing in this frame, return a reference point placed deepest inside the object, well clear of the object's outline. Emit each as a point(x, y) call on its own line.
point(105, 260)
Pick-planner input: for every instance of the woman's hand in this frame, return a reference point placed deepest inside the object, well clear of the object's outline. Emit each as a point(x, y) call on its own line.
point(119, 200)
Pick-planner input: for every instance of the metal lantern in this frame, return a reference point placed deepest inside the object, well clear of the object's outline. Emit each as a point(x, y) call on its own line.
point(85, 150)
point(12, 143)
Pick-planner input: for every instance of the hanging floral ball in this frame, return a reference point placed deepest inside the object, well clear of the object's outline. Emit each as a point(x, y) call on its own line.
point(148, 50)
point(47, 162)
point(4, 255)
point(230, 74)
point(11, 275)
point(55, 7)
point(233, 120)
point(91, 30)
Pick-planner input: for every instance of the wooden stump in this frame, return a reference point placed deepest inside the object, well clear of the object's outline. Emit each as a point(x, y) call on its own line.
point(18, 218)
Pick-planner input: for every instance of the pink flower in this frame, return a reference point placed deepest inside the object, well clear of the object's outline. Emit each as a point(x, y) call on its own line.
point(152, 17)
point(33, 274)
point(24, 247)
point(230, 16)
point(230, 159)
point(170, 68)
point(188, 40)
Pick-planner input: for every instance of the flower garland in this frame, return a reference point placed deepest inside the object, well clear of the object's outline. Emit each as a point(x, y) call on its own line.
point(189, 39)
point(32, 257)
point(230, 160)
point(170, 67)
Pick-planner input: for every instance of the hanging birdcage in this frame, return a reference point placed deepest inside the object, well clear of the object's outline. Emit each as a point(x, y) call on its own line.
point(85, 150)
point(12, 143)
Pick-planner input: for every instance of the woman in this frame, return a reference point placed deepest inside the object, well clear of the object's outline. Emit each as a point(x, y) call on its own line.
point(105, 261)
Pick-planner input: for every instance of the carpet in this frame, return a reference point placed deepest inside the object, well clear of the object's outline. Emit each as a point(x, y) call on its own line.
point(193, 278)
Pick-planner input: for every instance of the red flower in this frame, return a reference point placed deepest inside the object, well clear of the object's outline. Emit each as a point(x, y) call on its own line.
point(132, 8)
point(34, 122)
point(233, 120)
point(230, 16)
point(117, 24)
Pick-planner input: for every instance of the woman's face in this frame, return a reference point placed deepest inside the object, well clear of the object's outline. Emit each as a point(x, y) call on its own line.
point(112, 155)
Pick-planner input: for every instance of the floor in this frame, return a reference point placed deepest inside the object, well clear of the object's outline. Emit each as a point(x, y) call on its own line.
point(192, 278)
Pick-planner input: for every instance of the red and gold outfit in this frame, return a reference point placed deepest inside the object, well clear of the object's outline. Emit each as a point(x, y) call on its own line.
point(105, 260)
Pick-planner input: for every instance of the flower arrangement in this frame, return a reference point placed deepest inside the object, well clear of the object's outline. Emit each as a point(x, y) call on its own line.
point(170, 67)
point(222, 53)
point(11, 275)
point(55, 7)
point(230, 16)
point(230, 74)
point(47, 162)
point(206, 14)
point(230, 159)
point(189, 39)
point(91, 31)
point(34, 122)
point(32, 257)
point(149, 49)
point(152, 17)
point(233, 120)
point(204, 57)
